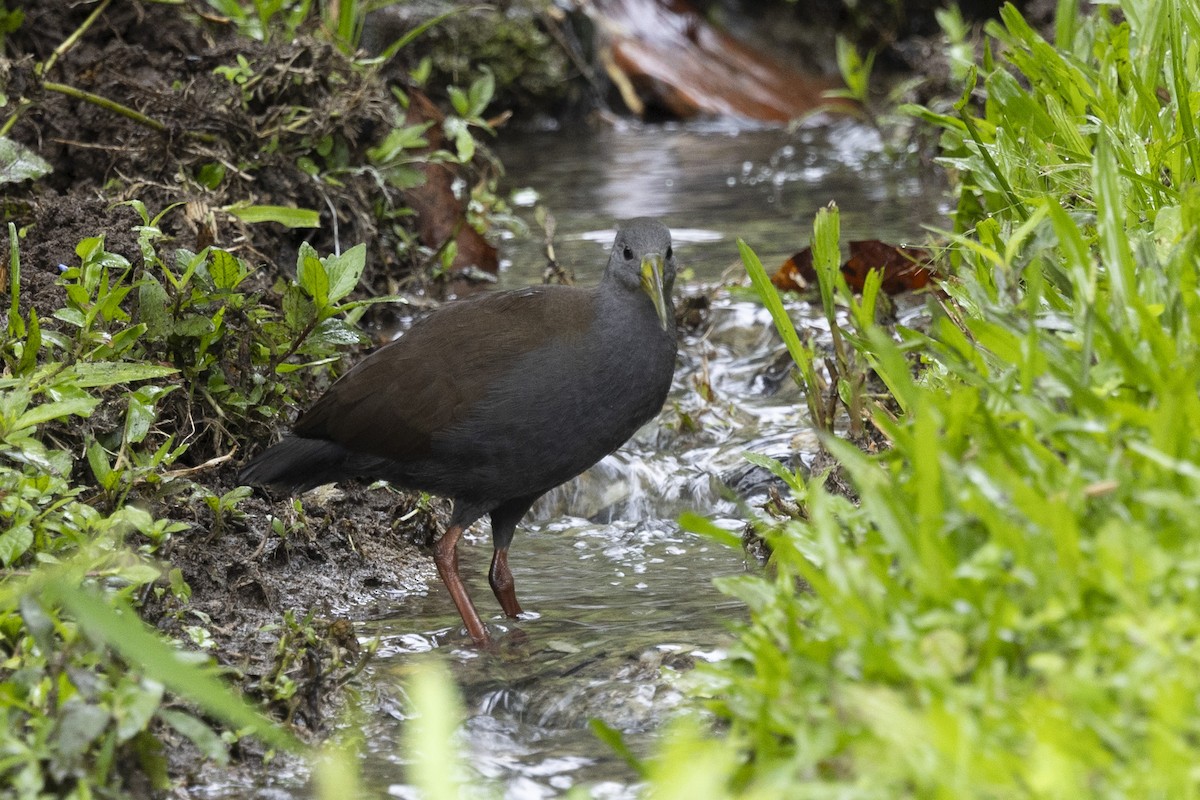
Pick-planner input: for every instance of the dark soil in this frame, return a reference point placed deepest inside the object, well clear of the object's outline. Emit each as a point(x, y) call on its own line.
point(281, 607)
point(159, 60)
point(346, 552)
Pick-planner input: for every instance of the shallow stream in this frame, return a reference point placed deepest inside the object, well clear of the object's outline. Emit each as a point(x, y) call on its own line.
point(618, 597)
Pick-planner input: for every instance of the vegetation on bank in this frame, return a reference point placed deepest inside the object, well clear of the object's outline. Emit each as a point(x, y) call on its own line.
point(92, 439)
point(1011, 605)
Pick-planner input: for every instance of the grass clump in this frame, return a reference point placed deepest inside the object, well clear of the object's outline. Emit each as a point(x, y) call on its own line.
point(1008, 608)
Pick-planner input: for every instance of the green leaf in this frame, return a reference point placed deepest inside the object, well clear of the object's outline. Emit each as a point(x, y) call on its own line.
point(695, 523)
point(482, 89)
point(285, 367)
point(16, 326)
point(460, 101)
point(14, 543)
point(40, 625)
point(18, 163)
point(109, 373)
point(311, 275)
point(113, 622)
point(192, 326)
point(333, 332)
point(409, 36)
point(403, 176)
point(1114, 243)
point(770, 298)
point(284, 215)
point(98, 461)
point(189, 263)
point(298, 309)
point(409, 137)
point(464, 145)
point(123, 341)
point(793, 481)
point(345, 271)
point(827, 260)
point(134, 705)
point(207, 741)
point(226, 271)
point(153, 306)
point(75, 406)
point(79, 726)
point(855, 72)
point(141, 412)
point(429, 736)
point(32, 345)
point(616, 742)
point(211, 174)
point(420, 73)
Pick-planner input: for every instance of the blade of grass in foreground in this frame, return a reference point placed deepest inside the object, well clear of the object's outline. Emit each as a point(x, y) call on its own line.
point(125, 633)
point(770, 298)
point(429, 737)
point(801, 353)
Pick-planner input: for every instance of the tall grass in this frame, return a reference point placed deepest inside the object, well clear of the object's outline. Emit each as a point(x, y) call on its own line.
point(1011, 606)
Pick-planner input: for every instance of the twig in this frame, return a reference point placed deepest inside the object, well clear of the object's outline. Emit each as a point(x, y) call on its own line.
point(118, 108)
point(105, 103)
point(212, 462)
point(70, 41)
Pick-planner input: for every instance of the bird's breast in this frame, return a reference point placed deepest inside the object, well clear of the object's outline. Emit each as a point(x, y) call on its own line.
point(561, 409)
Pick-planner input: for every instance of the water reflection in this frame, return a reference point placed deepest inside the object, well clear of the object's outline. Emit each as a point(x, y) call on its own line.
point(720, 183)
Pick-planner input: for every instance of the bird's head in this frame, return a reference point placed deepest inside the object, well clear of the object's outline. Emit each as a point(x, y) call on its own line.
point(643, 259)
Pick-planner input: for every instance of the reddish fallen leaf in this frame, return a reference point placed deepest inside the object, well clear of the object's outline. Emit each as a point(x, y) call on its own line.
point(904, 268)
point(439, 214)
point(797, 273)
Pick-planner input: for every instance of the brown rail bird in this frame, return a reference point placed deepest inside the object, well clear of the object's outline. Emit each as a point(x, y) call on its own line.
point(495, 400)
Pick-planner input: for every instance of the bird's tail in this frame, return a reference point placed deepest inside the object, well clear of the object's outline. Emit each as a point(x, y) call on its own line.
point(297, 464)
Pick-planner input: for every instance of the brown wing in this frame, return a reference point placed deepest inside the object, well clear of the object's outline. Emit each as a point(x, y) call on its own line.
point(397, 398)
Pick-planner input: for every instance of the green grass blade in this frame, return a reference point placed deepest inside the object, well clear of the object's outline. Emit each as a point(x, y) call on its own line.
point(121, 629)
point(770, 298)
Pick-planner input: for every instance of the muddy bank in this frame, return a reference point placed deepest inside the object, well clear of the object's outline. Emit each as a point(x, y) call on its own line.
point(275, 597)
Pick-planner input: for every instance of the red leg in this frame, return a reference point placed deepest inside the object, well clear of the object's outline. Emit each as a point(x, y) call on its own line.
point(445, 556)
point(501, 579)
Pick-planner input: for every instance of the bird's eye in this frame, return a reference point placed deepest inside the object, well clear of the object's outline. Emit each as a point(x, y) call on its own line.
point(670, 252)
point(627, 253)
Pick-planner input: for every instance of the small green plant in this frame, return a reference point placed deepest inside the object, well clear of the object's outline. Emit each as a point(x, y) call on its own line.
point(469, 106)
point(41, 73)
point(10, 21)
point(224, 507)
point(239, 74)
point(845, 378)
point(259, 19)
point(299, 652)
point(855, 71)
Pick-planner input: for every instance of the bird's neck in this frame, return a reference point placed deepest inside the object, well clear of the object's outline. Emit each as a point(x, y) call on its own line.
point(630, 306)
